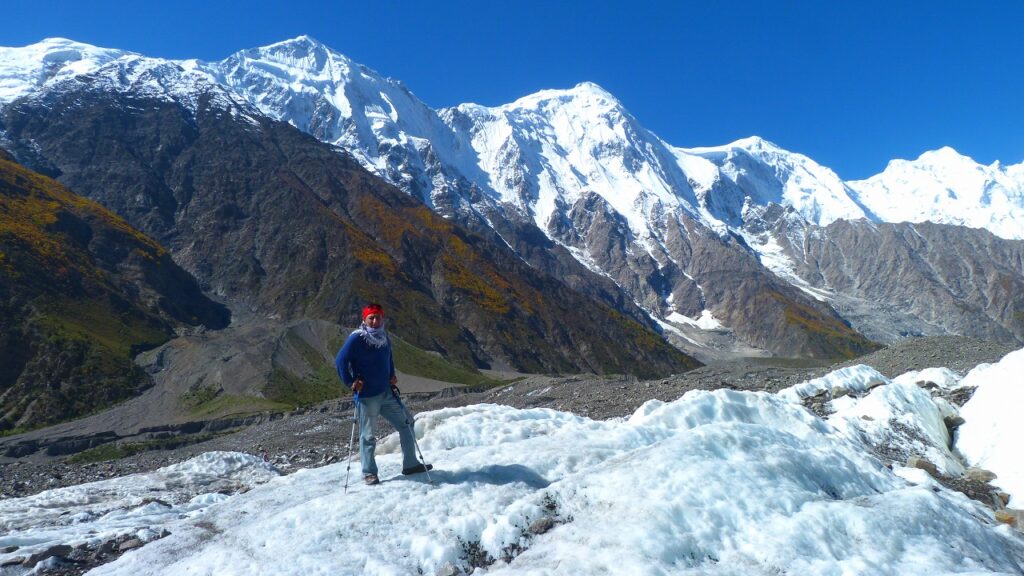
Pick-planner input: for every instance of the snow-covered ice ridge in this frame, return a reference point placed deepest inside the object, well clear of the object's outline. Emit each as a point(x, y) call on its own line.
point(58, 62)
point(550, 147)
point(721, 482)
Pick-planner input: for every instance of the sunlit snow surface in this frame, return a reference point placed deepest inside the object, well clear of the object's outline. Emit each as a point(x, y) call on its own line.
point(994, 422)
point(946, 187)
point(721, 482)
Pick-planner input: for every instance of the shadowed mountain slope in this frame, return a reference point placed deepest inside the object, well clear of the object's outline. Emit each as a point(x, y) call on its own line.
point(270, 217)
point(81, 292)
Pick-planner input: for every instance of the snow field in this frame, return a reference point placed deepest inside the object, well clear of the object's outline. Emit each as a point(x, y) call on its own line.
point(715, 483)
point(990, 438)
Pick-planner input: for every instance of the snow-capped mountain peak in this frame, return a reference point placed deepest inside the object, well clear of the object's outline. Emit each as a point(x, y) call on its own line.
point(547, 150)
point(322, 92)
point(28, 68)
point(303, 54)
point(761, 172)
point(947, 187)
point(583, 94)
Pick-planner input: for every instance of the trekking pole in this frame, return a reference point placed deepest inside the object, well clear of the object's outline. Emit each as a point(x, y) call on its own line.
point(409, 422)
point(351, 436)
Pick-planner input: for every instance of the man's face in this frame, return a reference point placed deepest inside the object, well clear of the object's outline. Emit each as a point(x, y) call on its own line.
point(375, 320)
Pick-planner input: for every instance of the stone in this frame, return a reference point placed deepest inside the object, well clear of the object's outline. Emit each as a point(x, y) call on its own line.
point(8, 549)
point(923, 464)
point(13, 561)
point(80, 554)
point(60, 551)
point(541, 526)
point(1012, 517)
point(448, 569)
point(953, 422)
point(130, 544)
point(875, 384)
point(1003, 497)
point(980, 474)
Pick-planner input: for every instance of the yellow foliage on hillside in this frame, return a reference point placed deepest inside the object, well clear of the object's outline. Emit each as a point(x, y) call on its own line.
point(30, 203)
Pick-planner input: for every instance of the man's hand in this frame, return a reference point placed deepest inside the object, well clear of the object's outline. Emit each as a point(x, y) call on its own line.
point(357, 386)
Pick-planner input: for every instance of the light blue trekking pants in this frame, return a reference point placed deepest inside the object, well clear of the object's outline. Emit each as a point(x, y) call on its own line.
point(385, 405)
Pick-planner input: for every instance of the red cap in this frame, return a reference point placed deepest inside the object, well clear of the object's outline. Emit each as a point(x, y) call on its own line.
point(372, 309)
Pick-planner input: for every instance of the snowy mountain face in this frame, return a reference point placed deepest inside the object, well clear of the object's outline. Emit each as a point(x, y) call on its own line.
point(574, 169)
point(23, 70)
point(946, 187)
point(577, 166)
point(753, 173)
point(545, 152)
point(377, 120)
point(55, 65)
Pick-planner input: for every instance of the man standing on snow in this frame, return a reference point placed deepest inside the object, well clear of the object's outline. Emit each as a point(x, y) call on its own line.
point(365, 365)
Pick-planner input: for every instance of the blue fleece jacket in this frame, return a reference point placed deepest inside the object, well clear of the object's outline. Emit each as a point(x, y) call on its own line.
point(376, 365)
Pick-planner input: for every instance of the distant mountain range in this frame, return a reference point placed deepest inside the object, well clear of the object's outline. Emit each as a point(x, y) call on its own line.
point(276, 221)
point(738, 249)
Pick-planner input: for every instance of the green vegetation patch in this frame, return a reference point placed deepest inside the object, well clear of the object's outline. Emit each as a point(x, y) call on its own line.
point(829, 335)
point(290, 390)
point(231, 405)
point(411, 360)
point(115, 451)
point(96, 322)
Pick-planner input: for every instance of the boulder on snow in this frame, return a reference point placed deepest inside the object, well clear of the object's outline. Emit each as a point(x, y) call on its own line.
point(541, 526)
point(923, 464)
point(448, 569)
point(59, 551)
point(130, 544)
point(1012, 517)
point(980, 474)
point(953, 422)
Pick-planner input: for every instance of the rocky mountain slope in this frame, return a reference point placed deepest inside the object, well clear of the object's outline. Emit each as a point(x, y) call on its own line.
point(571, 179)
point(689, 239)
point(81, 292)
point(568, 178)
point(895, 280)
point(269, 217)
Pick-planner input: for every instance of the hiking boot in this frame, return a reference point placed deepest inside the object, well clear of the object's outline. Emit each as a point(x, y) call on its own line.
point(417, 469)
point(371, 479)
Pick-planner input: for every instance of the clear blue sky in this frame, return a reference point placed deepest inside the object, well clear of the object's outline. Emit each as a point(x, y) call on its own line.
point(852, 84)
